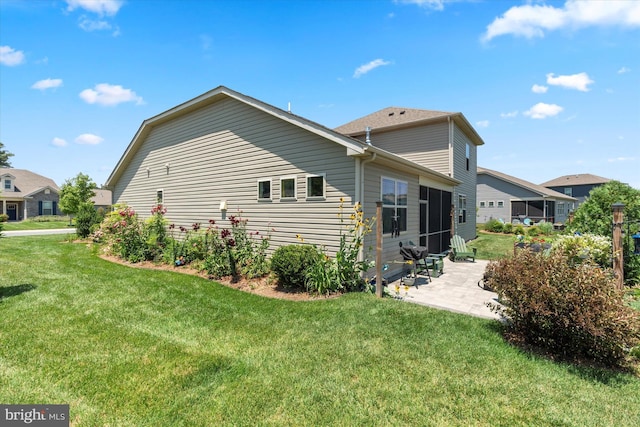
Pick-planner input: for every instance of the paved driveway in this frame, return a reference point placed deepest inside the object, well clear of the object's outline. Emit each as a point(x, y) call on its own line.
point(456, 290)
point(38, 232)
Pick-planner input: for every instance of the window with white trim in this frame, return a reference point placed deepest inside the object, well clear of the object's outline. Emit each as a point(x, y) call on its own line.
point(47, 208)
point(264, 189)
point(7, 184)
point(501, 203)
point(315, 187)
point(394, 195)
point(288, 188)
point(491, 204)
point(483, 204)
point(160, 196)
point(462, 209)
point(568, 191)
point(560, 208)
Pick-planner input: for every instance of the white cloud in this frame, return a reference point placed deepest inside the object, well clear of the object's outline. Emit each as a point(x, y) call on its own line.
point(101, 7)
point(89, 25)
point(364, 69)
point(539, 89)
point(624, 70)
point(621, 159)
point(482, 123)
point(10, 57)
point(532, 20)
point(542, 111)
point(427, 4)
point(509, 115)
point(88, 139)
point(106, 94)
point(578, 81)
point(58, 142)
point(47, 84)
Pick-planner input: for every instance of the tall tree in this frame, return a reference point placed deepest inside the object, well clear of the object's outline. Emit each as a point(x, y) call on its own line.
point(4, 157)
point(75, 192)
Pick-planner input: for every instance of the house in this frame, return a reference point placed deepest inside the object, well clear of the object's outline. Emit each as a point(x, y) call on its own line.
point(224, 153)
point(442, 141)
point(102, 199)
point(578, 185)
point(510, 199)
point(24, 194)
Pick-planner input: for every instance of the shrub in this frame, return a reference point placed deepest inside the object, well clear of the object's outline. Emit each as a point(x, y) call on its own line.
point(494, 225)
point(4, 217)
point(519, 230)
point(586, 246)
point(86, 218)
point(291, 262)
point(545, 228)
point(533, 231)
point(1, 228)
point(569, 309)
point(507, 228)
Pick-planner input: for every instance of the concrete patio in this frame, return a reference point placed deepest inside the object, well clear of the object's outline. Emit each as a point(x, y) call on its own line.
point(456, 290)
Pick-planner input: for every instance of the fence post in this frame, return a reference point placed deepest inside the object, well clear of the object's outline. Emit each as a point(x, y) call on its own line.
point(618, 255)
point(379, 249)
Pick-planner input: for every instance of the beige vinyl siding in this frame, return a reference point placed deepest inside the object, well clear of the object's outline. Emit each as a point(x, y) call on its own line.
point(468, 177)
point(390, 248)
point(425, 145)
point(218, 153)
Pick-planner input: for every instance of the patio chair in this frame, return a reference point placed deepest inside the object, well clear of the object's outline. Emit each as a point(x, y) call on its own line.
point(460, 250)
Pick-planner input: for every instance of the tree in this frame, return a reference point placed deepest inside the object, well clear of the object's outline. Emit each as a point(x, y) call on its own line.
point(596, 216)
point(75, 192)
point(4, 157)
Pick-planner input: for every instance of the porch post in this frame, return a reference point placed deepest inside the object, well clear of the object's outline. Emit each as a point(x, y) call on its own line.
point(4, 206)
point(618, 256)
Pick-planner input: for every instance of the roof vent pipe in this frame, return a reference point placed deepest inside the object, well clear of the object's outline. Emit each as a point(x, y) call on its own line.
point(368, 138)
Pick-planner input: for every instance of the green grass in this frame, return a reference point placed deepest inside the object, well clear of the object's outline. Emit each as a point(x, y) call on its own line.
point(36, 225)
point(131, 347)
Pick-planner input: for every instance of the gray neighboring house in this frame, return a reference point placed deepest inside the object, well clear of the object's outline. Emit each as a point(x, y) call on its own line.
point(24, 194)
point(578, 185)
point(224, 153)
point(442, 141)
point(102, 200)
point(510, 199)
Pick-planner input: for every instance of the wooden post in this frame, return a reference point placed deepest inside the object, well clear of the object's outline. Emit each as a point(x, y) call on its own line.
point(618, 255)
point(379, 279)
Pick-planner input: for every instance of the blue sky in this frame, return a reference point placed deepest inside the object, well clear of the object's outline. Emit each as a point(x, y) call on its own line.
point(553, 87)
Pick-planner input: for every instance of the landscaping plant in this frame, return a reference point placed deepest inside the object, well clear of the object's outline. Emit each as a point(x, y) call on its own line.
point(570, 309)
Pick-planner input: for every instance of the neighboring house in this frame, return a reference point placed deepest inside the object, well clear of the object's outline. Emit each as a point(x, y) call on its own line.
point(24, 194)
point(441, 141)
point(510, 199)
point(102, 200)
point(224, 153)
point(577, 186)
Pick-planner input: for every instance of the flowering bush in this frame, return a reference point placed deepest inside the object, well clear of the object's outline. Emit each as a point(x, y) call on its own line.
point(344, 271)
point(579, 247)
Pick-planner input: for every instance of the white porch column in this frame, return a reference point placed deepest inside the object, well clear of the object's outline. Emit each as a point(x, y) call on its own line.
point(4, 206)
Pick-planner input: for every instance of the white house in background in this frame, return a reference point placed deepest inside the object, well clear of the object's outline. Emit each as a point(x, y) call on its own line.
point(510, 199)
point(287, 175)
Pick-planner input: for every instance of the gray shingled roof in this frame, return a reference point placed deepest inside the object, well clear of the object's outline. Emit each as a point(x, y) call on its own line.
point(389, 117)
point(27, 182)
point(543, 191)
point(576, 179)
point(102, 198)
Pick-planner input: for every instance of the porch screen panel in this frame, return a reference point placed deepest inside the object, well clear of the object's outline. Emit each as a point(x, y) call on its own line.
point(518, 209)
point(536, 209)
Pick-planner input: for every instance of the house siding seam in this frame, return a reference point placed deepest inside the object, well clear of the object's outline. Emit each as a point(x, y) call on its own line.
point(217, 153)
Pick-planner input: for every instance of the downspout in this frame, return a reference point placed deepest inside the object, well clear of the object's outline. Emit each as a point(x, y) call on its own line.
point(361, 190)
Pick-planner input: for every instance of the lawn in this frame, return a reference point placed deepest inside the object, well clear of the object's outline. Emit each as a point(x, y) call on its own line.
point(131, 347)
point(36, 225)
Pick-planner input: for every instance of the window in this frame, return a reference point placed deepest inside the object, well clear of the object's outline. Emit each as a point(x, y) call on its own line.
point(47, 208)
point(7, 184)
point(500, 203)
point(568, 191)
point(468, 155)
point(462, 209)
point(491, 204)
point(483, 204)
point(560, 208)
point(394, 205)
point(315, 186)
point(264, 189)
point(160, 196)
point(288, 188)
